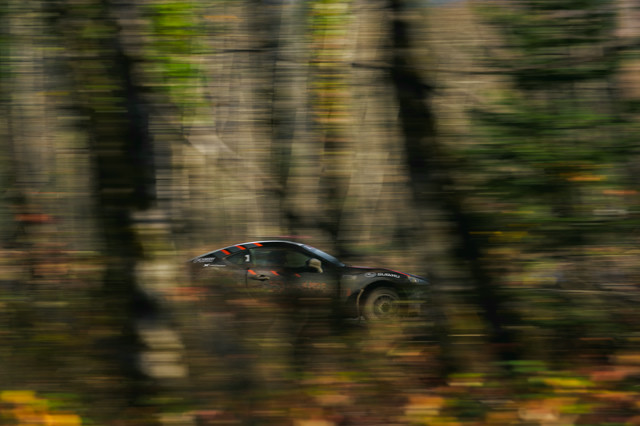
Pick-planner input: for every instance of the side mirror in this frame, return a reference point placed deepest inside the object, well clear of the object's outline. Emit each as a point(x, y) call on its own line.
point(315, 264)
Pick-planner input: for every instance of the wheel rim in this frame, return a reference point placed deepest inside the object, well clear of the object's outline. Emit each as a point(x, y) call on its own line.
point(384, 306)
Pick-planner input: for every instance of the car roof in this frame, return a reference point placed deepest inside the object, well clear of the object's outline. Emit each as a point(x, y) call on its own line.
point(225, 251)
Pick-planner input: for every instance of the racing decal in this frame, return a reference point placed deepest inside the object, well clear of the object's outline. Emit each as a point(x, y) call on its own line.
point(314, 286)
point(204, 260)
point(388, 274)
point(275, 273)
point(252, 272)
point(252, 245)
point(399, 273)
point(239, 247)
point(232, 249)
point(382, 274)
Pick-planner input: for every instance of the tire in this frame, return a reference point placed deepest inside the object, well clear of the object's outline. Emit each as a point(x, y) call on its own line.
point(380, 304)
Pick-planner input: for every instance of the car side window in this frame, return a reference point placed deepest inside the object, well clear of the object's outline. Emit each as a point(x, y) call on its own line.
point(279, 257)
point(296, 259)
point(240, 258)
point(268, 257)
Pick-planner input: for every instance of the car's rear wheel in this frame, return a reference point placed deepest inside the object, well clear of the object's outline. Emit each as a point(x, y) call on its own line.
point(381, 304)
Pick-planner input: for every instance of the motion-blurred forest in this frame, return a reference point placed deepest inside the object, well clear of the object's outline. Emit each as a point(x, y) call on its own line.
point(488, 145)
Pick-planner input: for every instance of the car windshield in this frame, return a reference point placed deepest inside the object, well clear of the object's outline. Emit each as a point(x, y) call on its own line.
point(323, 255)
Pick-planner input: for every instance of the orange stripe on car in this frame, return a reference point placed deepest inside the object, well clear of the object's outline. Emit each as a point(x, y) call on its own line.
point(252, 272)
point(241, 248)
point(226, 252)
point(274, 273)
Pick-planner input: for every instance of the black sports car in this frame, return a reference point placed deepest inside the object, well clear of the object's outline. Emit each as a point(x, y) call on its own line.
point(299, 270)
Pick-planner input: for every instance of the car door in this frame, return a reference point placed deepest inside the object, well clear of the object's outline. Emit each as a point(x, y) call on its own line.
point(314, 282)
point(292, 271)
point(310, 276)
point(267, 272)
point(237, 265)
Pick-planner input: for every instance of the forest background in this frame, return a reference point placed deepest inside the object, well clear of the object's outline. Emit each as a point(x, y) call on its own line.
point(489, 145)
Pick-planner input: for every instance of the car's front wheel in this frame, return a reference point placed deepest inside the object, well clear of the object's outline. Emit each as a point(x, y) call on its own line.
point(381, 304)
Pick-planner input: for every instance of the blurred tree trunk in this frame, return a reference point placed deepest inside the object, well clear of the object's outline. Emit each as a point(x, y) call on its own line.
point(553, 143)
point(8, 226)
point(121, 148)
point(44, 151)
point(434, 192)
point(330, 96)
point(31, 123)
point(624, 87)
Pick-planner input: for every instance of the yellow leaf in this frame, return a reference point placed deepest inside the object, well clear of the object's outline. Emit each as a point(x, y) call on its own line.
point(62, 420)
point(585, 178)
point(424, 405)
point(628, 358)
point(221, 18)
point(18, 396)
point(566, 382)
